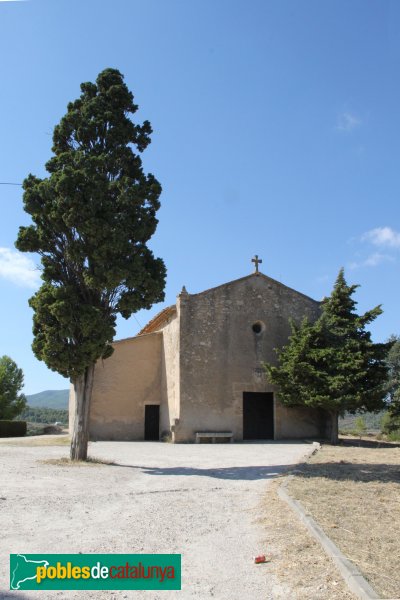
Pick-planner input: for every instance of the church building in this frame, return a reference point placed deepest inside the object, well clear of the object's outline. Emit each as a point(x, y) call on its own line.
point(195, 371)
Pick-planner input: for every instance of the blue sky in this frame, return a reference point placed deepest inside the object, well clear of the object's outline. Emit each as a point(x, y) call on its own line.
point(276, 132)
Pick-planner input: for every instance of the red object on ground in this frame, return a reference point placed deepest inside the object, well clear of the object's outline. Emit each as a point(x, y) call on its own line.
point(260, 559)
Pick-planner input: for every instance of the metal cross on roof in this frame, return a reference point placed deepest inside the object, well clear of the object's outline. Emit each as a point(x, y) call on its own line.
point(256, 261)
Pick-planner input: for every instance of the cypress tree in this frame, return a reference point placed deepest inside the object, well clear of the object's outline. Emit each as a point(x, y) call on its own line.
point(92, 218)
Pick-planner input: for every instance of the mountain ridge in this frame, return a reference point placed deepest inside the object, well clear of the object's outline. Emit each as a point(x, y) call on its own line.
point(57, 399)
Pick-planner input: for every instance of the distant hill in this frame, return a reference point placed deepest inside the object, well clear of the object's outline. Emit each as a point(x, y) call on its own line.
point(57, 399)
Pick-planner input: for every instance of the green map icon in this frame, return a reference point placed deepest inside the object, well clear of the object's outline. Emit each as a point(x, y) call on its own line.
point(24, 569)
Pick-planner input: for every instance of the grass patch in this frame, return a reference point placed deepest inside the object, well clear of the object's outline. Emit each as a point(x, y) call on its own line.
point(353, 492)
point(42, 440)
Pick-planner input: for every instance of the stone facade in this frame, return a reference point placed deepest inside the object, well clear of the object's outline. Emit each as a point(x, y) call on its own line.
point(199, 361)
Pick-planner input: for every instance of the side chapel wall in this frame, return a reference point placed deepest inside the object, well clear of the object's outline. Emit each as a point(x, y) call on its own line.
point(123, 385)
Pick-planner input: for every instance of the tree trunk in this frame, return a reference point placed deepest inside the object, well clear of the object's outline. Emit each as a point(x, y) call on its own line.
point(80, 435)
point(334, 427)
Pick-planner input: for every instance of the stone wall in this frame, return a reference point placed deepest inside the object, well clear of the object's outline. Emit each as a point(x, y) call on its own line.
point(300, 422)
point(170, 377)
point(198, 364)
point(123, 385)
point(221, 355)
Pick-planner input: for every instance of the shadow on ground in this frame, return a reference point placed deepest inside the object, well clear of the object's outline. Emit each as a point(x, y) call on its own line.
point(353, 471)
point(348, 471)
point(250, 473)
point(355, 443)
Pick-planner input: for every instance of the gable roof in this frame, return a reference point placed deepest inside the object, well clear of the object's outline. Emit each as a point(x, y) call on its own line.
point(164, 315)
point(160, 319)
point(258, 275)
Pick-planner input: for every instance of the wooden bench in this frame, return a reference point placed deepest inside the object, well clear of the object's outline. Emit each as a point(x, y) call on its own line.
point(213, 435)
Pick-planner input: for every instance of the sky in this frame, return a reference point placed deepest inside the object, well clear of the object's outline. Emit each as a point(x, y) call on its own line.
point(276, 132)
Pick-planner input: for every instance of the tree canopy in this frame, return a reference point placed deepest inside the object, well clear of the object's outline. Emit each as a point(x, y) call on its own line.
point(92, 218)
point(332, 363)
point(12, 402)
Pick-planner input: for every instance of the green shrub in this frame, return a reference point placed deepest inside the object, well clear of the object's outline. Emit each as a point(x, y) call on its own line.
point(390, 426)
point(360, 426)
point(390, 423)
point(12, 428)
point(394, 436)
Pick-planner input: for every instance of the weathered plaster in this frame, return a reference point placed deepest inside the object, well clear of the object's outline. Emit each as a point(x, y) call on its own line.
point(123, 385)
point(221, 356)
point(170, 378)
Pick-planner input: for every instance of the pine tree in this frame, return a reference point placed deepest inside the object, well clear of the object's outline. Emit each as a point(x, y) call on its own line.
point(333, 364)
point(12, 402)
point(92, 217)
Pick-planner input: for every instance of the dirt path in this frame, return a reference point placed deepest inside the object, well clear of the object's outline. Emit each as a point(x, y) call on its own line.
point(203, 501)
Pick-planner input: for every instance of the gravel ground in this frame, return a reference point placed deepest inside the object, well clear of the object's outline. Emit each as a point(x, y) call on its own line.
point(203, 501)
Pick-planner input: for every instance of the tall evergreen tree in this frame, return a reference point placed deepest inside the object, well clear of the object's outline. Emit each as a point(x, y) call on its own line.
point(333, 364)
point(92, 218)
